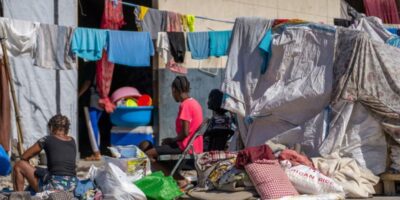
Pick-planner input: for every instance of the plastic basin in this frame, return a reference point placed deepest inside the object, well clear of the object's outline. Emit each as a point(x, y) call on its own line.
point(131, 116)
point(5, 164)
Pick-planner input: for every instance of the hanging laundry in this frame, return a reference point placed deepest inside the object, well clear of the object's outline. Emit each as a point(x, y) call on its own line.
point(219, 42)
point(104, 75)
point(113, 16)
point(384, 9)
point(53, 47)
point(266, 47)
point(177, 44)
point(130, 48)
point(188, 22)
point(151, 20)
point(89, 43)
point(174, 22)
point(5, 108)
point(163, 47)
point(191, 19)
point(199, 45)
point(21, 36)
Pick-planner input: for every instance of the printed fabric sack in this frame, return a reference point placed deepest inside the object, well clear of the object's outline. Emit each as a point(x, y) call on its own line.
point(159, 187)
point(270, 180)
point(310, 181)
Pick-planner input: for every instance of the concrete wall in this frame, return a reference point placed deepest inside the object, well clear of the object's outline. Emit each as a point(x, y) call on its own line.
point(311, 10)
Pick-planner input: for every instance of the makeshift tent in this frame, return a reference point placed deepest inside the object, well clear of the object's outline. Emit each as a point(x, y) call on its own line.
point(314, 66)
point(42, 93)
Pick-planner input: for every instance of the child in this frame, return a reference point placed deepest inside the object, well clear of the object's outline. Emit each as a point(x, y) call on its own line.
point(61, 160)
point(221, 126)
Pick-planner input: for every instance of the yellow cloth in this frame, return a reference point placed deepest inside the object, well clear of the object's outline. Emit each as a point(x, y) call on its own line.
point(142, 12)
point(188, 22)
point(190, 19)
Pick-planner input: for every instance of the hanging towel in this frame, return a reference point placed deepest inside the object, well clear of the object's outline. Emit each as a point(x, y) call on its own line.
point(130, 48)
point(199, 45)
point(53, 47)
point(266, 48)
point(151, 20)
point(113, 15)
point(177, 46)
point(174, 22)
point(219, 42)
point(88, 43)
point(5, 106)
point(21, 36)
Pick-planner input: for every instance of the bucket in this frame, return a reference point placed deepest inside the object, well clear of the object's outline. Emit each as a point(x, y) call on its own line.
point(131, 116)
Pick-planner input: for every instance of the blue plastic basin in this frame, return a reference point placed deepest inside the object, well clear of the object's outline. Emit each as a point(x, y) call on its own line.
point(131, 116)
point(5, 164)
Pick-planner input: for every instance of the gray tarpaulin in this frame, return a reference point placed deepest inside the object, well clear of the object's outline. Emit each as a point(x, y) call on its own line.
point(41, 92)
point(355, 133)
point(295, 88)
point(244, 62)
point(374, 27)
point(36, 94)
point(43, 11)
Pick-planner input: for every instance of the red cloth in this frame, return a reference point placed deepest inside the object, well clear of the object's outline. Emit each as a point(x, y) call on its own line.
point(295, 158)
point(252, 154)
point(270, 180)
point(104, 74)
point(5, 105)
point(384, 9)
point(113, 18)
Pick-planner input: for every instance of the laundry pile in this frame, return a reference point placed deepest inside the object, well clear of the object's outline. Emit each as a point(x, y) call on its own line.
point(277, 173)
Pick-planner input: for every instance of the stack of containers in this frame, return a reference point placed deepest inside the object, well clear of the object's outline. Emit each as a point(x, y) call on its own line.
point(131, 117)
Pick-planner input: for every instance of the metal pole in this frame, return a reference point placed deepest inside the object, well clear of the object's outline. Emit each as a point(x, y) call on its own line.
point(14, 98)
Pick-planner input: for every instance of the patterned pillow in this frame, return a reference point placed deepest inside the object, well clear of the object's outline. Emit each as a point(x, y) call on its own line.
point(270, 180)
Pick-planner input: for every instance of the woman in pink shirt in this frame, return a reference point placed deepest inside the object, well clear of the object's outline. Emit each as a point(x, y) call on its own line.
point(188, 120)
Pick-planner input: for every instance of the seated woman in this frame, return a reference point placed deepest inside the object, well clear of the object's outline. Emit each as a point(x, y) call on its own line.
point(221, 126)
point(60, 151)
point(188, 120)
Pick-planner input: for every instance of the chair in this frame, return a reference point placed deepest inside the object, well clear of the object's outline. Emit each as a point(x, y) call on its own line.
point(189, 147)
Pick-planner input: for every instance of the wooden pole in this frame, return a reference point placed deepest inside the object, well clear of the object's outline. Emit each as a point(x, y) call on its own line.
point(14, 98)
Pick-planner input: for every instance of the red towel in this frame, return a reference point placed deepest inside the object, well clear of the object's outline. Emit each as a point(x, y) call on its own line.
point(252, 154)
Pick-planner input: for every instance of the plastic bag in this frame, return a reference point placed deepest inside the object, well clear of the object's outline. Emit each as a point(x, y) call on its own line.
point(310, 181)
point(114, 184)
point(135, 168)
point(159, 187)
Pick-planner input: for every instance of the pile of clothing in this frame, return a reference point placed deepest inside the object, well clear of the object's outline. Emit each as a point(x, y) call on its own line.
point(279, 172)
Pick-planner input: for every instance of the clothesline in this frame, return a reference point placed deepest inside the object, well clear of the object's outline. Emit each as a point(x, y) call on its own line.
point(199, 17)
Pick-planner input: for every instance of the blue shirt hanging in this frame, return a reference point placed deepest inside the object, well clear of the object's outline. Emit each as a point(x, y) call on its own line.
point(89, 43)
point(198, 43)
point(219, 42)
point(130, 48)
